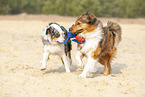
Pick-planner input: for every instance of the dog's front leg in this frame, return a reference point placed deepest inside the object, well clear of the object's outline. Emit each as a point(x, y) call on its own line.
point(44, 60)
point(66, 63)
point(89, 66)
point(79, 57)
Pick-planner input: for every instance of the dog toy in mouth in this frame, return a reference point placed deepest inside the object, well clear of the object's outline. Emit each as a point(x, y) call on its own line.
point(79, 40)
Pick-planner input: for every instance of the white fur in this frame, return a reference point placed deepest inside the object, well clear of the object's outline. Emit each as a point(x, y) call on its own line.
point(57, 27)
point(60, 39)
point(92, 40)
point(79, 58)
point(46, 37)
point(54, 48)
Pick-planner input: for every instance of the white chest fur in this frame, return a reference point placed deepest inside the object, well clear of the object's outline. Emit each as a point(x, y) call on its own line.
point(92, 40)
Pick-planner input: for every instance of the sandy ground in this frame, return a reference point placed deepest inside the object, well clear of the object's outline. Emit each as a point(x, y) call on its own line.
point(21, 51)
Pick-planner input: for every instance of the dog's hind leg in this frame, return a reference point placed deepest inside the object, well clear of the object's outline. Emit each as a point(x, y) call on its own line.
point(107, 59)
point(108, 69)
point(62, 61)
point(69, 57)
point(66, 62)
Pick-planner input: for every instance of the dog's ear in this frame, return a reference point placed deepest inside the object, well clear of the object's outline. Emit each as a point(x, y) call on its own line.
point(48, 33)
point(89, 14)
point(92, 19)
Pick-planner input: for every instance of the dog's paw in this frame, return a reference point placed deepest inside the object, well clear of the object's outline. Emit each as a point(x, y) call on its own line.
point(68, 71)
point(83, 75)
point(43, 68)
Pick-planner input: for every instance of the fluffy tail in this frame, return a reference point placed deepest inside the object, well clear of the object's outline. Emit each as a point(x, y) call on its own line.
point(116, 30)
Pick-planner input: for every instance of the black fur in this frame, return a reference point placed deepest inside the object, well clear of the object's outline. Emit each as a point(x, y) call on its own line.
point(68, 46)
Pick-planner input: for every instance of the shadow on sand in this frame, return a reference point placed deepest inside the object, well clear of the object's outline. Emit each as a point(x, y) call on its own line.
point(60, 69)
point(116, 69)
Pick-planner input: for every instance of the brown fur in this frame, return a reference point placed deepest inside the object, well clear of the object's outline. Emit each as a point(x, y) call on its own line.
point(85, 24)
point(106, 49)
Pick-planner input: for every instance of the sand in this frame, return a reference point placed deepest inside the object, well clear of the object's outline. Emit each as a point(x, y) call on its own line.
point(21, 51)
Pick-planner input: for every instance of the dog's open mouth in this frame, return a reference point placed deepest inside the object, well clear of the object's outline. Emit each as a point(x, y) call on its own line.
point(79, 31)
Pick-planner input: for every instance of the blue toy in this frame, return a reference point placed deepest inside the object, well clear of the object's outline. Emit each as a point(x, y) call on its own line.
point(72, 35)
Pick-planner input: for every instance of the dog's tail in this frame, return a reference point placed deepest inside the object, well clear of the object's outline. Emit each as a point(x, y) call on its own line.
point(116, 31)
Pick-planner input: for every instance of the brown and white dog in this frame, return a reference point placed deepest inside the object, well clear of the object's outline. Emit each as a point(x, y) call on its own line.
point(100, 45)
point(51, 38)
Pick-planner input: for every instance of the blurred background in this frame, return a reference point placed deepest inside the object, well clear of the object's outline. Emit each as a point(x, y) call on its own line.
point(100, 8)
point(21, 25)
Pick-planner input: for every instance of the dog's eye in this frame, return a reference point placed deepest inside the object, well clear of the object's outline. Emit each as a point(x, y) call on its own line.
point(57, 35)
point(78, 23)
